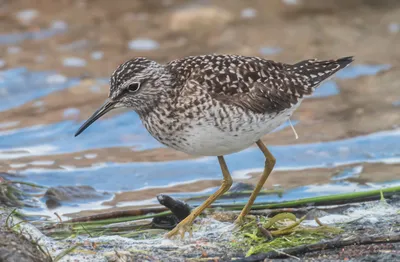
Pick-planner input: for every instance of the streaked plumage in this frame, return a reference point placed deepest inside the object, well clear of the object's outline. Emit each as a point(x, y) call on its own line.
point(219, 104)
point(214, 105)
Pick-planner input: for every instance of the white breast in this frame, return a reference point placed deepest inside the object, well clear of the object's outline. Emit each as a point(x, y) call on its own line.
point(208, 140)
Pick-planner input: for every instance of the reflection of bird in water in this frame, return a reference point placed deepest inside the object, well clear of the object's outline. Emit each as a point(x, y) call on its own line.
point(214, 105)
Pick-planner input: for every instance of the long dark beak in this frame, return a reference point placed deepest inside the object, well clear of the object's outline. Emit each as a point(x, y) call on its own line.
point(107, 106)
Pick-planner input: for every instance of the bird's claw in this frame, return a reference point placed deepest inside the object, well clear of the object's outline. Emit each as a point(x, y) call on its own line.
point(240, 220)
point(183, 227)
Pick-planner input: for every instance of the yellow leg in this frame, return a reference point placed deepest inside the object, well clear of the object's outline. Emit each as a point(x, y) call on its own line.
point(269, 165)
point(185, 225)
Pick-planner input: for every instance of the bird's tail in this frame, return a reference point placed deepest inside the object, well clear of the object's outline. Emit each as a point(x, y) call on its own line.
point(315, 72)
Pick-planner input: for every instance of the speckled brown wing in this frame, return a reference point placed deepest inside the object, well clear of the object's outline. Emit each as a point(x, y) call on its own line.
point(255, 84)
point(259, 87)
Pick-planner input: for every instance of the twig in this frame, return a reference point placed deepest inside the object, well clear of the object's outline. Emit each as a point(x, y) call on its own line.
point(318, 221)
point(271, 212)
point(66, 252)
point(58, 216)
point(84, 228)
point(8, 217)
point(285, 254)
point(118, 214)
point(323, 245)
point(19, 223)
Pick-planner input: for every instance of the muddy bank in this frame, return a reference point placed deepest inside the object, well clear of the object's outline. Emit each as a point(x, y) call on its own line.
point(18, 247)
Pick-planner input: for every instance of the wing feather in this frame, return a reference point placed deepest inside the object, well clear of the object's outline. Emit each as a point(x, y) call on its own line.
point(255, 84)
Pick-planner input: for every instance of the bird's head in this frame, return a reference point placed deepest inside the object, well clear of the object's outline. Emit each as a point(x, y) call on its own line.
point(137, 84)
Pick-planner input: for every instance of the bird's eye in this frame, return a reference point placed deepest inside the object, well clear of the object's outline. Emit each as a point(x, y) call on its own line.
point(134, 87)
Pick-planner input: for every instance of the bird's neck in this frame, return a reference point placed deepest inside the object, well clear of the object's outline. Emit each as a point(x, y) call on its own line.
point(161, 94)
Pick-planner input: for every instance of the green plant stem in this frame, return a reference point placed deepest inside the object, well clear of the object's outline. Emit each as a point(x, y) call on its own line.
point(24, 183)
point(326, 200)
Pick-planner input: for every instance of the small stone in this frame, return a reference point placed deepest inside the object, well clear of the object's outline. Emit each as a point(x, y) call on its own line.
point(17, 165)
point(90, 156)
point(394, 28)
point(52, 203)
point(71, 113)
point(97, 55)
point(56, 79)
point(56, 195)
point(40, 58)
point(240, 186)
point(290, 2)
point(270, 50)
point(59, 24)
point(13, 49)
point(199, 18)
point(143, 44)
point(38, 103)
point(81, 44)
point(26, 16)
point(95, 89)
point(74, 62)
point(42, 163)
point(248, 13)
point(4, 125)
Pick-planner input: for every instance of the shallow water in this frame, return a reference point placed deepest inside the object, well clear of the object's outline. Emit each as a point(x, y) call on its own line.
point(32, 151)
point(381, 147)
point(57, 27)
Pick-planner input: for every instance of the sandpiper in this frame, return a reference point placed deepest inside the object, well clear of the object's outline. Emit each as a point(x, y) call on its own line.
point(214, 105)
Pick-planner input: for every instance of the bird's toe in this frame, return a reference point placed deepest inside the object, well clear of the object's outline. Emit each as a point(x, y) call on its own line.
point(181, 229)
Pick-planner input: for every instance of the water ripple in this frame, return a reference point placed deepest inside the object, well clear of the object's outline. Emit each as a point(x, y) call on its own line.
point(381, 147)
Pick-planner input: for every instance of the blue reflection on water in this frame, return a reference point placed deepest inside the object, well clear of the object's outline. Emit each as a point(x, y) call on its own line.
point(124, 130)
point(19, 86)
point(377, 147)
point(348, 173)
point(358, 70)
point(58, 27)
point(328, 88)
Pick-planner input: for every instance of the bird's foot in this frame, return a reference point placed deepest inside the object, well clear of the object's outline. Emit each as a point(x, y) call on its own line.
point(240, 220)
point(183, 227)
